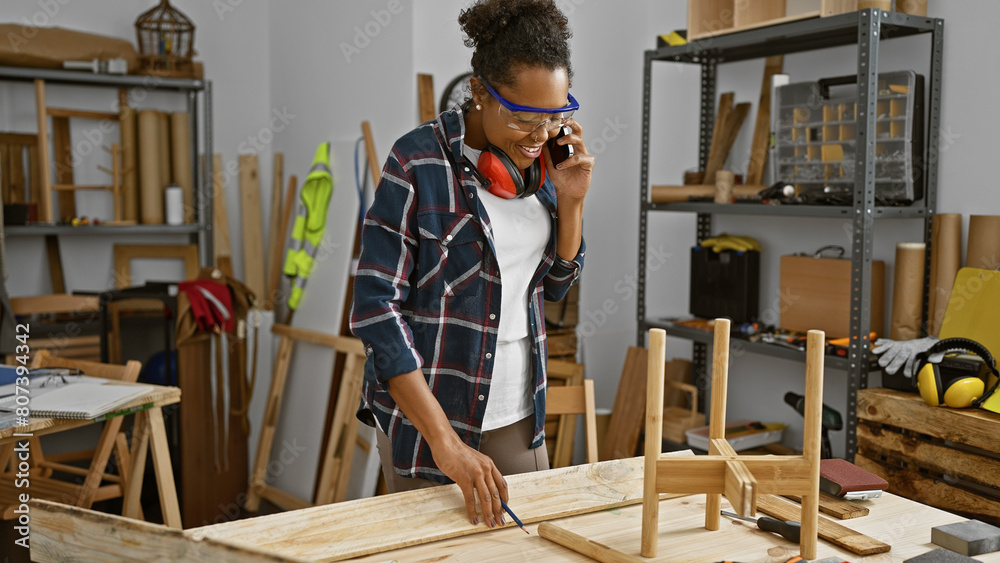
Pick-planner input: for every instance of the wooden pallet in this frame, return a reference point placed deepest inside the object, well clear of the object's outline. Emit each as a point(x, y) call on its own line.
point(947, 458)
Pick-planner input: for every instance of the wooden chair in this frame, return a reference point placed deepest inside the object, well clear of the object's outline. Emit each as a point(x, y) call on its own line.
point(43, 484)
point(573, 400)
point(560, 430)
point(67, 346)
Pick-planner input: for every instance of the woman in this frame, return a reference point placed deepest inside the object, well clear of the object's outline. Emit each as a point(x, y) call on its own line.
point(450, 285)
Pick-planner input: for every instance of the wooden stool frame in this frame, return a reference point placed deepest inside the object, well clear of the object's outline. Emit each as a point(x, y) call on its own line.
point(723, 472)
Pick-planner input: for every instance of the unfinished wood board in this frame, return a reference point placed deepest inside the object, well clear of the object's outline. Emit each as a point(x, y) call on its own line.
point(425, 97)
point(275, 236)
point(563, 373)
point(125, 253)
point(220, 216)
point(45, 201)
point(721, 147)
point(628, 412)
point(329, 532)
point(762, 128)
point(834, 7)
point(904, 523)
point(838, 507)
point(253, 242)
point(55, 264)
point(829, 530)
point(61, 526)
point(747, 14)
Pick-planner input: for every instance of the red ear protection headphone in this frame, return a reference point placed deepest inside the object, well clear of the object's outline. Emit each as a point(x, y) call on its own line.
point(504, 179)
point(955, 382)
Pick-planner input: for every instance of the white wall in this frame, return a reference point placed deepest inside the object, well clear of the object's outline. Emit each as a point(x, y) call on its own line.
point(289, 56)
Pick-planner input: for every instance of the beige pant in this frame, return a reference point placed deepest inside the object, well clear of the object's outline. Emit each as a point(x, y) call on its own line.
point(508, 447)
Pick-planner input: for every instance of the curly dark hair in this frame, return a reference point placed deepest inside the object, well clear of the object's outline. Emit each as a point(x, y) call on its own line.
point(507, 35)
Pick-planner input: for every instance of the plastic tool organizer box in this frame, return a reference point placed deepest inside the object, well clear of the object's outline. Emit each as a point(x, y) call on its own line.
point(816, 138)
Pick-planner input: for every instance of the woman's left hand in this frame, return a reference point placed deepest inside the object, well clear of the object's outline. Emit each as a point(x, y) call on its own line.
point(572, 177)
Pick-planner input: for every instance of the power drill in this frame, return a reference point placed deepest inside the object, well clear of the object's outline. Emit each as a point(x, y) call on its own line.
point(831, 420)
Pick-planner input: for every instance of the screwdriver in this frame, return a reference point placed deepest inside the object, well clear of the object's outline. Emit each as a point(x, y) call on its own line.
point(789, 530)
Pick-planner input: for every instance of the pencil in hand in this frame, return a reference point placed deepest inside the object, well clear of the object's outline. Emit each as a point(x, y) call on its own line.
point(514, 516)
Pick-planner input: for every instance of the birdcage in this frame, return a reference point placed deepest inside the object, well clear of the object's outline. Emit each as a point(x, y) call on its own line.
point(166, 40)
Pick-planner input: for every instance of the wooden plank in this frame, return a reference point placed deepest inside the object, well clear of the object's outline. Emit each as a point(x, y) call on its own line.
point(740, 487)
point(45, 193)
point(835, 533)
point(750, 13)
point(253, 243)
point(425, 97)
point(220, 216)
point(335, 469)
point(913, 485)
point(62, 159)
point(730, 130)
point(133, 482)
point(26, 139)
point(330, 532)
point(64, 113)
point(706, 474)
point(839, 508)
point(762, 128)
point(276, 237)
point(731, 29)
point(834, 7)
point(6, 182)
point(282, 499)
point(346, 344)
point(161, 465)
point(972, 427)
point(106, 538)
point(721, 115)
point(55, 264)
point(875, 442)
point(622, 438)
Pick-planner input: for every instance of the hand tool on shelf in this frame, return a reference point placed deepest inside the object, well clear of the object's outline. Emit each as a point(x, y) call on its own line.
point(787, 529)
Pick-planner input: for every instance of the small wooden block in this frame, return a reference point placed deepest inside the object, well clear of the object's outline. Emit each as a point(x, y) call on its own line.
point(940, 555)
point(971, 537)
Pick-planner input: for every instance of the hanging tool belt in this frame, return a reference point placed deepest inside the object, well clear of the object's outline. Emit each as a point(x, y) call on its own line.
point(218, 305)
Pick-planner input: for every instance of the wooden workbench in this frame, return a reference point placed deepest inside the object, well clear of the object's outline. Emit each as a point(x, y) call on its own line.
point(599, 501)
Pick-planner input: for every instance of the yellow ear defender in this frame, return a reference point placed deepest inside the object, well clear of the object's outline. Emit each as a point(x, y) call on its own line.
point(956, 382)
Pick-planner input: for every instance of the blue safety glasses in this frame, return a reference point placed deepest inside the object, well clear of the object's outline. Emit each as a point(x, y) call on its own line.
point(527, 118)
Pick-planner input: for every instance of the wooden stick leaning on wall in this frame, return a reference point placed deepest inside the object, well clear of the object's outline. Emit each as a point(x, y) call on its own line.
point(762, 127)
point(223, 253)
point(253, 243)
point(425, 97)
point(335, 469)
point(276, 237)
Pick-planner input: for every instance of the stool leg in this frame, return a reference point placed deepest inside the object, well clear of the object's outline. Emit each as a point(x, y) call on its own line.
point(717, 423)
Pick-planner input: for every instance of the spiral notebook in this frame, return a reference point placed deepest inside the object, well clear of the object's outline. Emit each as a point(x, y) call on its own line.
point(81, 400)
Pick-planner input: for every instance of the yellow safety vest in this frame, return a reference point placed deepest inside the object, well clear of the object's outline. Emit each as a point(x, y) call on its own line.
point(310, 222)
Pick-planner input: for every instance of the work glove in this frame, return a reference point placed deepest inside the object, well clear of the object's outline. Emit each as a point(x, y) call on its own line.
point(895, 354)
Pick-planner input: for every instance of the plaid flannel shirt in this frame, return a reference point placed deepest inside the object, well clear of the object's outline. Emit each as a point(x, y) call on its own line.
point(427, 292)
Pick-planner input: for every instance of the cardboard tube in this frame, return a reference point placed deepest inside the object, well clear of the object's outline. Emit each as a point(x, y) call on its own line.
point(983, 250)
point(150, 178)
point(180, 156)
point(908, 291)
point(724, 186)
point(130, 190)
point(946, 258)
point(163, 146)
point(674, 194)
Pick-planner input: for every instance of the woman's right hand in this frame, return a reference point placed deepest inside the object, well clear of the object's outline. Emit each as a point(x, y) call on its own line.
point(474, 472)
point(477, 475)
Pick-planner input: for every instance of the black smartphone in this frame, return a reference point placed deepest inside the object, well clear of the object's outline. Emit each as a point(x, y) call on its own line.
point(560, 152)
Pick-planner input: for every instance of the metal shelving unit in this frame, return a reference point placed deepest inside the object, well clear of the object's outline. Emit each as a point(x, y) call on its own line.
point(866, 29)
point(200, 232)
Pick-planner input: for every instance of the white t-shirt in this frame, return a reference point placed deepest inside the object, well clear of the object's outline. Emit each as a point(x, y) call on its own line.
point(521, 228)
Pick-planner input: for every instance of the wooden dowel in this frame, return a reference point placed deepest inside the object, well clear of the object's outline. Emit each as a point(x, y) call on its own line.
point(366, 130)
point(815, 351)
point(584, 546)
point(717, 421)
point(655, 367)
point(45, 202)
